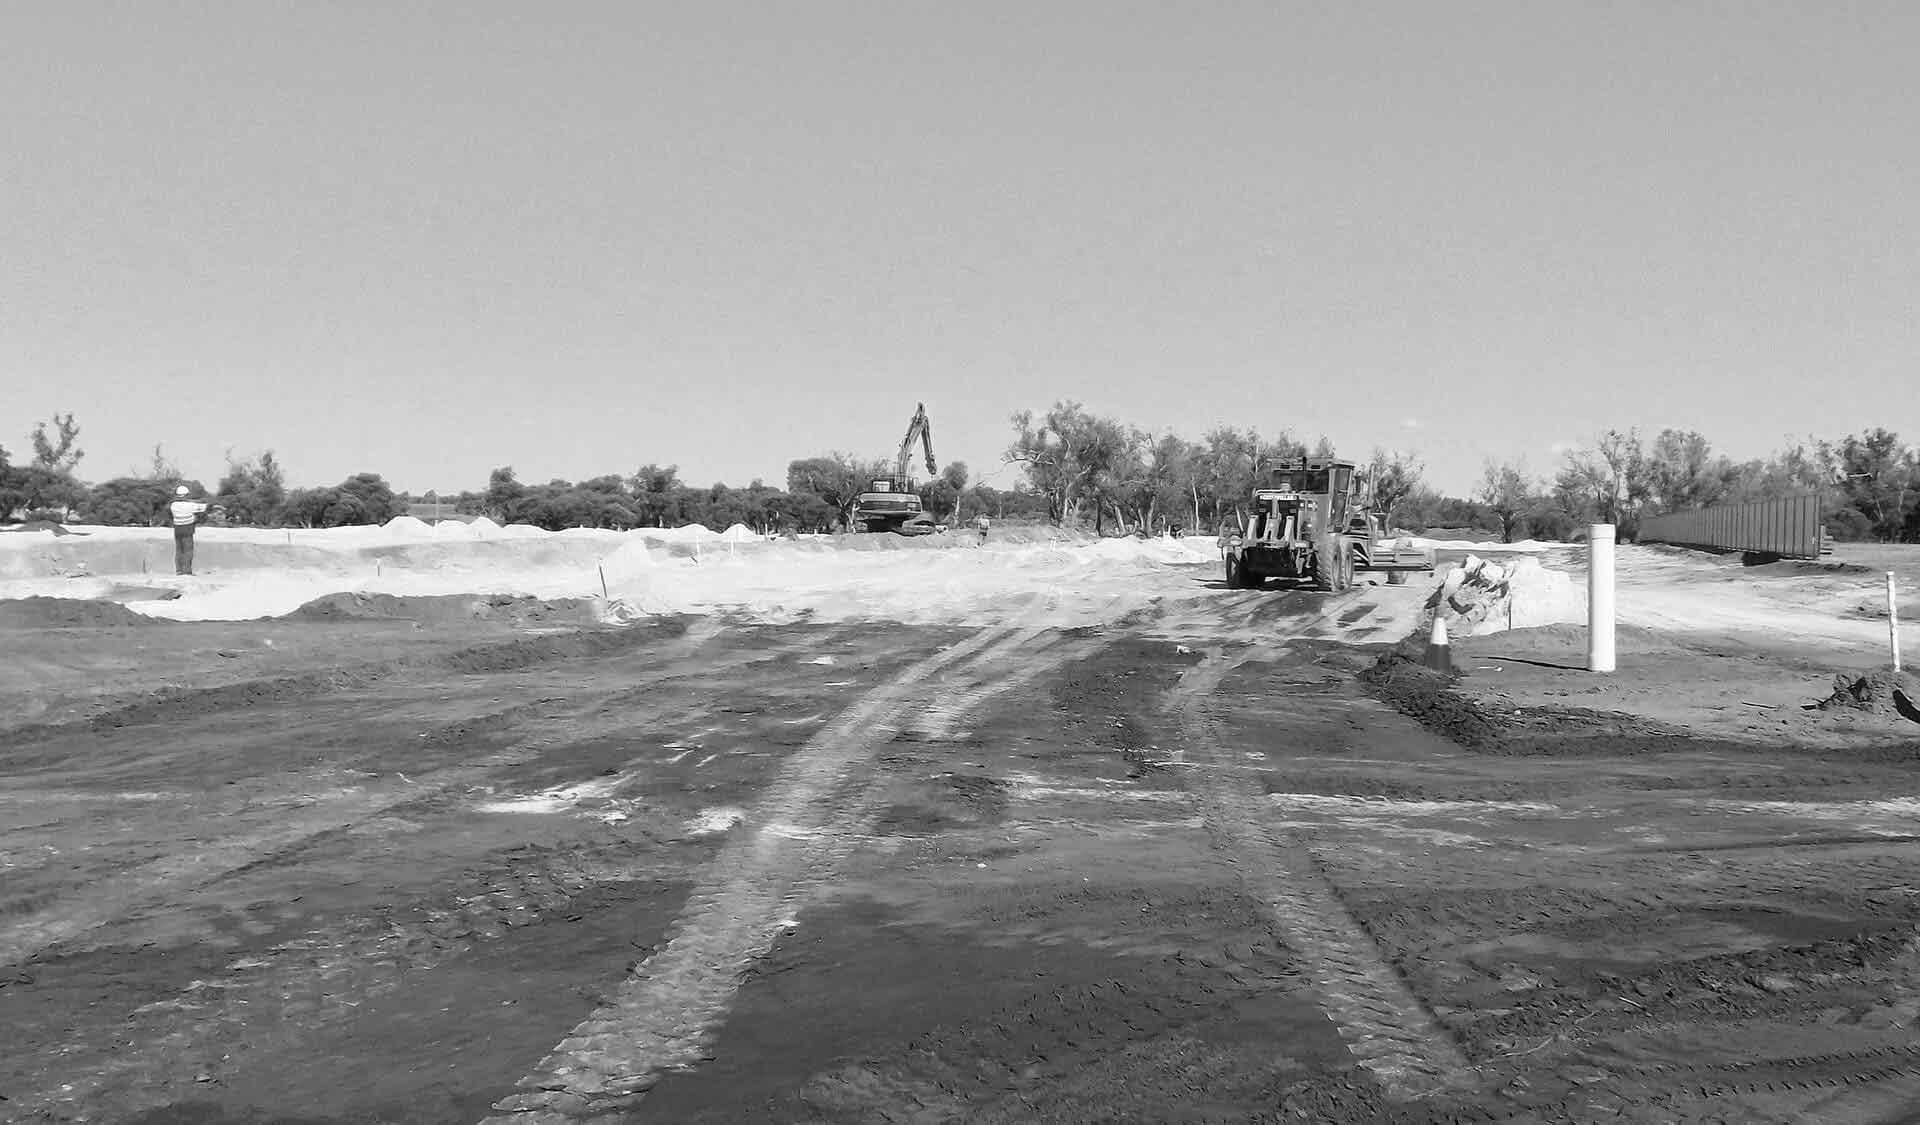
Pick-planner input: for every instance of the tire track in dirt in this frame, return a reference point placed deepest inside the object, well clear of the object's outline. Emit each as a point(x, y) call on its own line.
point(1843, 1088)
point(510, 655)
point(153, 883)
point(664, 1013)
point(292, 990)
point(1386, 1028)
point(323, 974)
point(939, 720)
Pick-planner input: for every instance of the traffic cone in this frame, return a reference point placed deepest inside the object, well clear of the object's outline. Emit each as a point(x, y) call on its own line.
point(1439, 657)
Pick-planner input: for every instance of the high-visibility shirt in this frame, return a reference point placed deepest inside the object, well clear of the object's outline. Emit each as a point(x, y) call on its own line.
point(186, 511)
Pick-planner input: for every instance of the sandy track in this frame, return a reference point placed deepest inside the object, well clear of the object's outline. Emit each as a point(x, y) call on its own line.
point(355, 957)
point(1388, 1030)
point(161, 879)
point(794, 837)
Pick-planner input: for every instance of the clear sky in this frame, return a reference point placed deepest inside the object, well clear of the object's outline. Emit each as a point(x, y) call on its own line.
point(428, 239)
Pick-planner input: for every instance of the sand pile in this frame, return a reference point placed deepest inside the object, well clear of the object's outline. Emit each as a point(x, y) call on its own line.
point(692, 533)
point(40, 612)
point(1481, 596)
point(1523, 546)
point(509, 608)
point(393, 571)
point(1882, 691)
point(41, 525)
point(407, 527)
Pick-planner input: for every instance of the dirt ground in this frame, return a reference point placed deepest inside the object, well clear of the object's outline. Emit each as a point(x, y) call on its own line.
point(1217, 858)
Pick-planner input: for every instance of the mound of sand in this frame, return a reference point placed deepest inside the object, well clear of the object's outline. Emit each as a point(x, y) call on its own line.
point(123, 592)
point(1880, 692)
point(43, 525)
point(1481, 596)
point(628, 567)
point(1434, 543)
point(692, 533)
point(408, 527)
point(361, 606)
point(41, 612)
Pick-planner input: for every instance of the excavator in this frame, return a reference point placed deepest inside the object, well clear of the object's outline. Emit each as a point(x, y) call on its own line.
point(892, 505)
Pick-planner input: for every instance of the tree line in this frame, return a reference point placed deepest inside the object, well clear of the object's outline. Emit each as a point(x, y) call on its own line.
point(1078, 468)
point(819, 496)
point(1869, 484)
point(1101, 472)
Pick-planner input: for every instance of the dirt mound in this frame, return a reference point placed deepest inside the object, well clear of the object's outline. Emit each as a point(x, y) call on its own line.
point(43, 525)
point(1880, 692)
point(963, 537)
point(510, 609)
point(1422, 694)
point(41, 612)
point(1774, 565)
point(124, 592)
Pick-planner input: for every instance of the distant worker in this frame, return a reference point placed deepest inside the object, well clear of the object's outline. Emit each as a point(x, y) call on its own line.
point(186, 516)
point(981, 523)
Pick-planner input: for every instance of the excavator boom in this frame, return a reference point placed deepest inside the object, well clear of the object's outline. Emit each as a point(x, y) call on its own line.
point(923, 430)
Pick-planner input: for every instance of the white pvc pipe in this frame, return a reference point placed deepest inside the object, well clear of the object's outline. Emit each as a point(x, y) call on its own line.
point(1893, 623)
point(1600, 598)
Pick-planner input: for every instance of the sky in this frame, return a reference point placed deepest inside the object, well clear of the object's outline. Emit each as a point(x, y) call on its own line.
point(426, 240)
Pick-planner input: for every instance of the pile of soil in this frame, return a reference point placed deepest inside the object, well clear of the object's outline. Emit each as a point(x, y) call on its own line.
point(1421, 693)
point(42, 525)
point(966, 537)
point(505, 608)
point(1880, 692)
point(1773, 565)
point(42, 612)
point(122, 592)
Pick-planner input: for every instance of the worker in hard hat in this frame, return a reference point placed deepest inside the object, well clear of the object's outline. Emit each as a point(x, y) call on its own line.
point(186, 514)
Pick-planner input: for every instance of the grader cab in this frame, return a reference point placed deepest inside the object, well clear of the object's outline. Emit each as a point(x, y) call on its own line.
point(1313, 521)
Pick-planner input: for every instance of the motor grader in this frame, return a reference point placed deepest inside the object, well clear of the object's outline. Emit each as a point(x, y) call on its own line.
point(1314, 521)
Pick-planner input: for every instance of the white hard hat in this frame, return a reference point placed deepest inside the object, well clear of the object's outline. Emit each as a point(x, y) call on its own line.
point(180, 491)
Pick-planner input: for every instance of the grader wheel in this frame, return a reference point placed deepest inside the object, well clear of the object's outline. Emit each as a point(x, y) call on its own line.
point(1336, 574)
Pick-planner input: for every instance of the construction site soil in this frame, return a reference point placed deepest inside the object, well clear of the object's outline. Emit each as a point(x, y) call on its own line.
point(1224, 856)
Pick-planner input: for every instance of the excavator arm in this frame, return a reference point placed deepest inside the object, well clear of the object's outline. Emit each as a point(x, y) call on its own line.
point(919, 429)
